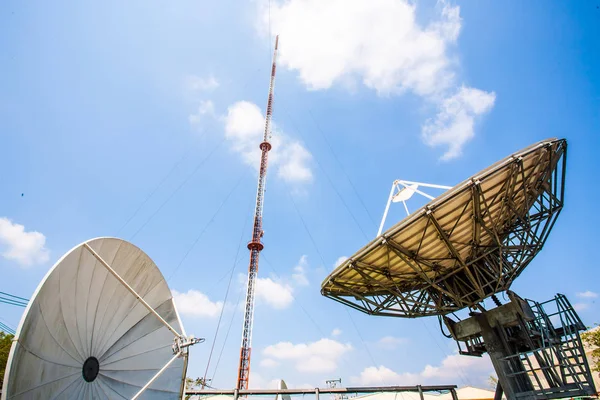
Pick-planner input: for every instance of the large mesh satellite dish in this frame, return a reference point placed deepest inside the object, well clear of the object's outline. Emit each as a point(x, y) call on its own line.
point(86, 335)
point(462, 247)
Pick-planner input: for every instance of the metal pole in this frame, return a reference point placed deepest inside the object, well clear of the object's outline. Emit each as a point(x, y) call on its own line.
point(387, 207)
point(316, 393)
point(427, 185)
point(256, 246)
point(454, 395)
point(497, 352)
point(131, 290)
point(405, 207)
point(420, 392)
point(337, 390)
point(138, 394)
point(405, 184)
point(499, 392)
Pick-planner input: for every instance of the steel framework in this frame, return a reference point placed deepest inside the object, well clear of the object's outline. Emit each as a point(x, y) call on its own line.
point(255, 246)
point(535, 347)
point(463, 247)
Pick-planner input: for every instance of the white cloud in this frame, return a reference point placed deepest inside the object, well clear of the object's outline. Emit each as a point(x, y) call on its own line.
point(268, 363)
point(244, 129)
point(26, 248)
point(275, 294)
point(199, 84)
point(381, 44)
point(587, 294)
point(453, 126)
point(457, 367)
point(205, 109)
point(376, 41)
point(294, 162)
point(336, 332)
point(391, 342)
point(384, 375)
point(196, 304)
point(453, 368)
point(318, 357)
point(299, 274)
point(339, 261)
point(257, 381)
point(581, 306)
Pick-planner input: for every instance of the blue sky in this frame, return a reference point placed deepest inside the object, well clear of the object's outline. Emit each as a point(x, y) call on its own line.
point(140, 120)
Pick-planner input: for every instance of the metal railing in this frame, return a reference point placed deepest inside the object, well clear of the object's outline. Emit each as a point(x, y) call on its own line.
point(318, 391)
point(555, 365)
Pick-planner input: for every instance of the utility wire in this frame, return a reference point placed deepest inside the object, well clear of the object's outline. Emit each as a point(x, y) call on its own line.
point(460, 372)
point(323, 262)
point(315, 323)
point(335, 157)
point(4, 327)
point(237, 306)
point(277, 275)
point(355, 220)
point(306, 228)
point(315, 244)
point(330, 181)
point(143, 203)
point(235, 260)
point(12, 302)
point(226, 274)
point(360, 337)
point(200, 164)
point(16, 297)
point(212, 218)
point(10, 299)
point(202, 134)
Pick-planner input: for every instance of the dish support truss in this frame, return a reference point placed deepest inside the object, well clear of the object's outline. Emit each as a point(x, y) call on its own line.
point(535, 347)
point(489, 268)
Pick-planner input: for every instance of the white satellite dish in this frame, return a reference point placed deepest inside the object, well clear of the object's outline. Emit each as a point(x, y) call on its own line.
point(102, 324)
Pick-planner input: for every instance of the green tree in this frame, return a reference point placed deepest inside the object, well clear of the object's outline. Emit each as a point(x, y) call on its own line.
point(592, 339)
point(493, 381)
point(194, 384)
point(5, 343)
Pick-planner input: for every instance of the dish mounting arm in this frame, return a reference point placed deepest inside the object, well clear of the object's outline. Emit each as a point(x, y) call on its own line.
point(403, 190)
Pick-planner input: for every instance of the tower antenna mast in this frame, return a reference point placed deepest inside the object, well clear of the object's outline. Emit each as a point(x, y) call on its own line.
point(255, 246)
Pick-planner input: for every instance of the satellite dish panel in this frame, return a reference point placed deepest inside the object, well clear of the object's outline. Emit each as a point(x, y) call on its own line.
point(405, 193)
point(282, 386)
point(84, 335)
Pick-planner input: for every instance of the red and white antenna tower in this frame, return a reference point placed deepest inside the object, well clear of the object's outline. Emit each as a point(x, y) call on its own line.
point(255, 245)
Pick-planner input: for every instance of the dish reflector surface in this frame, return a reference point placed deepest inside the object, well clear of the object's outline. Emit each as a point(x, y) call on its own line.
point(85, 336)
point(463, 246)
